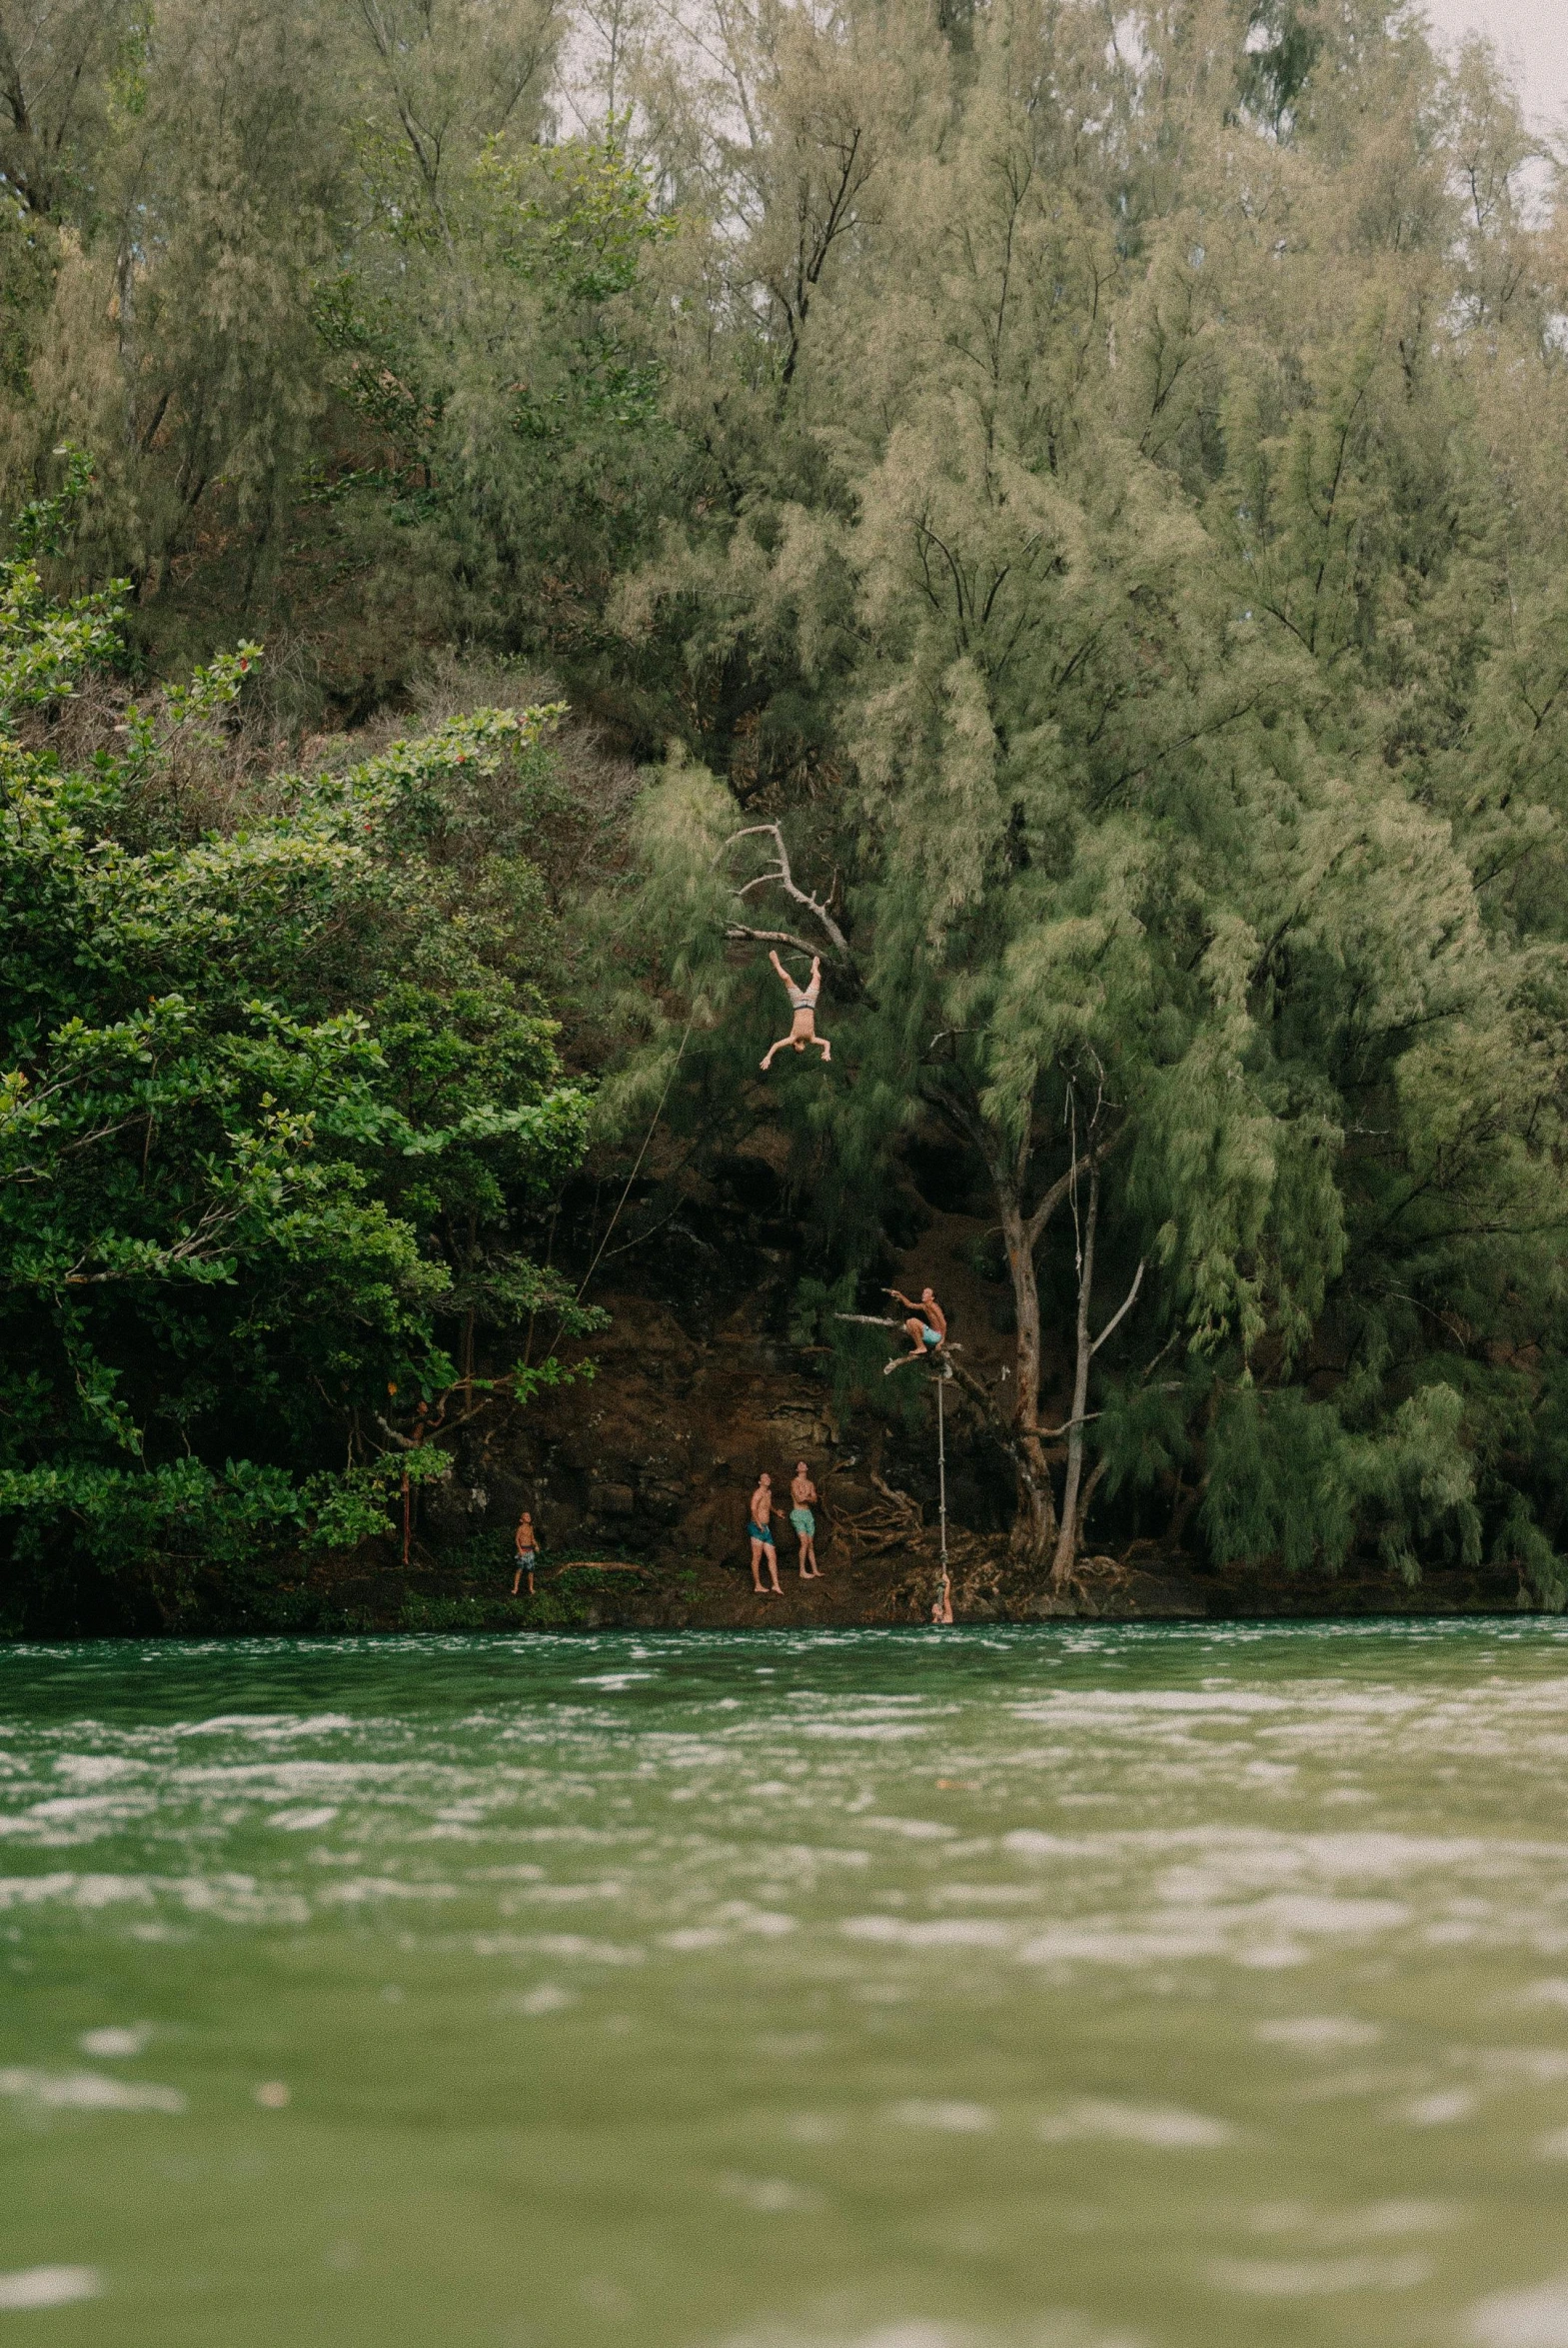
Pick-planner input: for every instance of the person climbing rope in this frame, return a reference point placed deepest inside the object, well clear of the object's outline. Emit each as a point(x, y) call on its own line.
point(941, 1605)
point(803, 1002)
point(927, 1330)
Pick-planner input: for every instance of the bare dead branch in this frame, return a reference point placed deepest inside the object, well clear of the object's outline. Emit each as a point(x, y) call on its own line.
point(771, 938)
point(1124, 1309)
point(784, 877)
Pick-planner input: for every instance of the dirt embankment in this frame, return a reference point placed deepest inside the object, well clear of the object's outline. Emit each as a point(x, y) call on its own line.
point(638, 1480)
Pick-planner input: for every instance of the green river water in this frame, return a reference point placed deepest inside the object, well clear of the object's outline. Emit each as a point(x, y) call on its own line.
point(1074, 1987)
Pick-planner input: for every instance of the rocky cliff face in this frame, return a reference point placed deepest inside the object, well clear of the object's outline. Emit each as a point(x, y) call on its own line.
point(646, 1471)
point(698, 1388)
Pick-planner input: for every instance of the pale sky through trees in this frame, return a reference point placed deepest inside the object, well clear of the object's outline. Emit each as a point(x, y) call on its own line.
point(1533, 33)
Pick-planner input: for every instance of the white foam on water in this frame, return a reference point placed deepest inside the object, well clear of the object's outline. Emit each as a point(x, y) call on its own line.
point(1060, 2329)
point(1536, 2318)
point(1099, 1703)
point(765, 1923)
point(1543, 2066)
point(109, 2042)
point(894, 2335)
point(1112, 1943)
point(267, 1727)
point(1375, 2221)
point(1306, 2278)
point(873, 1731)
point(86, 2091)
point(49, 2286)
point(361, 1888)
point(95, 1768)
point(552, 1944)
point(912, 1830)
point(546, 1999)
point(279, 1781)
point(985, 1895)
point(1317, 2033)
point(1402, 2217)
point(30, 1891)
point(1162, 2127)
point(1441, 2110)
point(238, 1899)
point(1265, 1932)
point(77, 1817)
point(949, 1932)
point(952, 2119)
point(301, 1821)
point(566, 1894)
point(771, 2197)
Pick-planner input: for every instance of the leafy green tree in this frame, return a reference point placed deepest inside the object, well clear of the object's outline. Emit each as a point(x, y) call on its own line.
point(496, 344)
point(273, 1111)
point(1074, 498)
point(1142, 646)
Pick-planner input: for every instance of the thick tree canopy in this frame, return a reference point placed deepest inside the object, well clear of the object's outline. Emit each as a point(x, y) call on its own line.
point(273, 1098)
point(1066, 501)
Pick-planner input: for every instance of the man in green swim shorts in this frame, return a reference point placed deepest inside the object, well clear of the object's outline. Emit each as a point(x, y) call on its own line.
point(760, 1533)
point(801, 1494)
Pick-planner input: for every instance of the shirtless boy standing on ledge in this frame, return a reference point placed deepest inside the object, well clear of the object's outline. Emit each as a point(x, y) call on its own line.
point(762, 1539)
point(803, 1495)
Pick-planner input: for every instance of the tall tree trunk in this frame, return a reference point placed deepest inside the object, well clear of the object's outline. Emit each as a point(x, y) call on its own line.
point(1067, 1538)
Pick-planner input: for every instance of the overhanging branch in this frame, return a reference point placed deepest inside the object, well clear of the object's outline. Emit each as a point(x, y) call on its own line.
point(782, 877)
point(1125, 1308)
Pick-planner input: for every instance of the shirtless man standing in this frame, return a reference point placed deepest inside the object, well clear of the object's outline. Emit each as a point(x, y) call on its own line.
point(803, 1002)
point(761, 1537)
point(528, 1553)
point(926, 1332)
point(801, 1494)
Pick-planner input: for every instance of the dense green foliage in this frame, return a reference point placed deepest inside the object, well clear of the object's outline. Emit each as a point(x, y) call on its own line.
point(274, 1098)
point(1092, 479)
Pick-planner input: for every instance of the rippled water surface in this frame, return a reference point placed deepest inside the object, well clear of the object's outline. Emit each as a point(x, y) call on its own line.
point(1151, 1987)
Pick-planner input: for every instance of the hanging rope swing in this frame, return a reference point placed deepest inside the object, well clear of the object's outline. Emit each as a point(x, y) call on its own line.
point(935, 1347)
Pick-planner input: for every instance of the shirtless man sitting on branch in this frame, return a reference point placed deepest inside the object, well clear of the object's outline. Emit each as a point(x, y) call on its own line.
point(803, 1002)
point(927, 1330)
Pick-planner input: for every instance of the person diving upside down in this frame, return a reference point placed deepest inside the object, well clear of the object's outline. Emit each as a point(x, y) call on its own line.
point(803, 1002)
